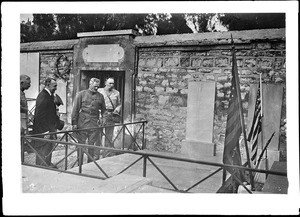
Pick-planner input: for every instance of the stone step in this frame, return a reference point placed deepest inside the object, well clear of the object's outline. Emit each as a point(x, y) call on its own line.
point(124, 183)
point(152, 189)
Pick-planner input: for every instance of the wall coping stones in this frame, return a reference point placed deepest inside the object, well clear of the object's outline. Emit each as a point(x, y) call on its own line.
point(48, 45)
point(107, 33)
point(210, 38)
point(207, 38)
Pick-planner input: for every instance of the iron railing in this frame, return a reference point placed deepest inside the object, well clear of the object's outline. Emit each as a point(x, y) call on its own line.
point(136, 148)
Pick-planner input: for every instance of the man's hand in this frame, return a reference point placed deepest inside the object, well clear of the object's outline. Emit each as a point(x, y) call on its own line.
point(46, 136)
point(74, 127)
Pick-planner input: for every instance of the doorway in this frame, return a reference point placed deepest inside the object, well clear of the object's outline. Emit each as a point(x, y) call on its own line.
point(119, 77)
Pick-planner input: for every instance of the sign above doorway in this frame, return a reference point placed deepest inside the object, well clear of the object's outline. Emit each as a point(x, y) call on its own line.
point(103, 53)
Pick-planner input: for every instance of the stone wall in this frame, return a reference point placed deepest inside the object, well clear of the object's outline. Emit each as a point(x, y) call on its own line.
point(48, 67)
point(164, 73)
point(166, 65)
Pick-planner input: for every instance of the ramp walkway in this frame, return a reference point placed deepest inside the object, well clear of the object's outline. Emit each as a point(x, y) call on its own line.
point(276, 184)
point(182, 174)
point(37, 180)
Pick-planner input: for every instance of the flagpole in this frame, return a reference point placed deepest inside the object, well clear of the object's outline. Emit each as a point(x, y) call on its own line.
point(261, 105)
point(241, 112)
point(262, 117)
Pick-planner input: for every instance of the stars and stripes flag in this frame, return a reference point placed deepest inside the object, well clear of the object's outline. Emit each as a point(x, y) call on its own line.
point(255, 129)
point(231, 154)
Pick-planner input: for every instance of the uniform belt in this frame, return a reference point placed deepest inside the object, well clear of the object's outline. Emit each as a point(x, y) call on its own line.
point(90, 113)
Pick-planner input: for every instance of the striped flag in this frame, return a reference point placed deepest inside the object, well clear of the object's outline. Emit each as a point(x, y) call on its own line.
point(231, 154)
point(255, 129)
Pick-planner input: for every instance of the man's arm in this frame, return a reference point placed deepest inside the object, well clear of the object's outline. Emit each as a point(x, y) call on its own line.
point(119, 105)
point(102, 104)
point(76, 108)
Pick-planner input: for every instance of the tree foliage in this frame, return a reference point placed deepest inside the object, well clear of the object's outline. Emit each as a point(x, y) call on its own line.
point(248, 21)
point(66, 26)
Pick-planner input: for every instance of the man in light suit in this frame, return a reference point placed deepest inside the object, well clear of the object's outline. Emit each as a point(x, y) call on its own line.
point(45, 120)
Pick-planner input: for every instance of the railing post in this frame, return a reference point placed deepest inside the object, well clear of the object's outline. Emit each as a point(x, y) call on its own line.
point(80, 159)
point(224, 176)
point(145, 166)
point(22, 149)
point(123, 136)
point(66, 151)
point(143, 139)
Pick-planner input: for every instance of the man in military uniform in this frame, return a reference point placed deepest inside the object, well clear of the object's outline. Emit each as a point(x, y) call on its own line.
point(85, 114)
point(25, 83)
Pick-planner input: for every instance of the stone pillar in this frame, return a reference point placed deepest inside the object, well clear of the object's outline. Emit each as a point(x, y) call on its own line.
point(272, 104)
point(200, 116)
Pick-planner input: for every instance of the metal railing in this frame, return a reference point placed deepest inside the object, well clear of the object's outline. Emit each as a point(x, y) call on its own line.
point(136, 148)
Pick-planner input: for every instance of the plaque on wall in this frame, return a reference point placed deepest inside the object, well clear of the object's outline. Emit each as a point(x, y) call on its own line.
point(103, 53)
point(62, 92)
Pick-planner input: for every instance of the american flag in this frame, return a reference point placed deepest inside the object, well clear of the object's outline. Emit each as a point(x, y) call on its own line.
point(231, 154)
point(255, 129)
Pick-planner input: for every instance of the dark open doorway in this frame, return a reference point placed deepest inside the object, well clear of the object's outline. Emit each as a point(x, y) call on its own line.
point(119, 77)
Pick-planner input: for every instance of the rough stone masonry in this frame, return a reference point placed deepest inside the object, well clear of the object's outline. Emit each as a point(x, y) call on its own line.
point(168, 63)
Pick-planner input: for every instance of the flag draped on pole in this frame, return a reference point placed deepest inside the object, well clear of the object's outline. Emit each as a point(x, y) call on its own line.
point(234, 129)
point(232, 154)
point(255, 129)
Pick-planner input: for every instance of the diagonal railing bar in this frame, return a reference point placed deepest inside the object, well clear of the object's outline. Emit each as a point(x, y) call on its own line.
point(37, 154)
point(202, 180)
point(63, 137)
point(56, 144)
point(133, 138)
point(76, 161)
point(106, 138)
point(65, 157)
point(90, 157)
point(161, 172)
point(54, 147)
point(119, 133)
point(72, 137)
point(130, 165)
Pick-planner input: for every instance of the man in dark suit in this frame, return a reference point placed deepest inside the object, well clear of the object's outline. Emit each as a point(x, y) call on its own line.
point(45, 120)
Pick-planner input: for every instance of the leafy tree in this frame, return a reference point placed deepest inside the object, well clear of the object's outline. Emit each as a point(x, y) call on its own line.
point(70, 24)
point(28, 31)
point(66, 26)
point(199, 22)
point(46, 26)
point(247, 21)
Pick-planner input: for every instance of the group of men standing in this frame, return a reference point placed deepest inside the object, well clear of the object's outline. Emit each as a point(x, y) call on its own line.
point(92, 108)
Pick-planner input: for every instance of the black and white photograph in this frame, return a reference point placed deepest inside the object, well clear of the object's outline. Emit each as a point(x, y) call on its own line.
point(150, 108)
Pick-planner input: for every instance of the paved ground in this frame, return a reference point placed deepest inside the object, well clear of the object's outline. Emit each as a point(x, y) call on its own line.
point(182, 174)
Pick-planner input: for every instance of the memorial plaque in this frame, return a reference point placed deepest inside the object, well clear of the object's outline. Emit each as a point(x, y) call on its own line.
point(103, 53)
point(62, 92)
point(200, 117)
point(200, 111)
point(271, 104)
